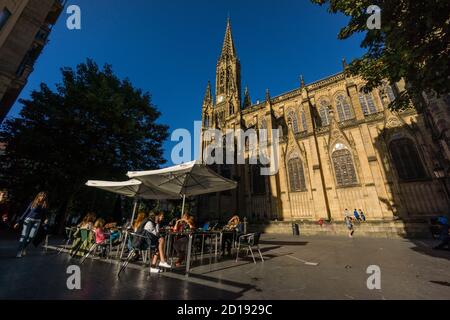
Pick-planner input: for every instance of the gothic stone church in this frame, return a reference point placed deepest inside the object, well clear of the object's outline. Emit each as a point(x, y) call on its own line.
point(340, 148)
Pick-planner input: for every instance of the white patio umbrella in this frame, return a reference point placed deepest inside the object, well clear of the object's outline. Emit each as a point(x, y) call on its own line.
point(132, 188)
point(188, 179)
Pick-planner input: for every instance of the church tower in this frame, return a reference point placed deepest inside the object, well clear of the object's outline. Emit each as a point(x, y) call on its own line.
point(228, 80)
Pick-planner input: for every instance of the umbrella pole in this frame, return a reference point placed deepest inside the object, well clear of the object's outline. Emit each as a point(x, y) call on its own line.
point(134, 210)
point(135, 202)
point(182, 207)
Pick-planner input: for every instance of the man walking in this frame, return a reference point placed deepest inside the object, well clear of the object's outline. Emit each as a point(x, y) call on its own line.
point(355, 213)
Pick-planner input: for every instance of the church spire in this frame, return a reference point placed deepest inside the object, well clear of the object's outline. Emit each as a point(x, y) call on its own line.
point(208, 96)
point(247, 100)
point(228, 49)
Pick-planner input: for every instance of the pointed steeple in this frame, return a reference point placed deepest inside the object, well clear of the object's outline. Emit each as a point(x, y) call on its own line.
point(228, 49)
point(267, 95)
point(302, 82)
point(208, 96)
point(247, 100)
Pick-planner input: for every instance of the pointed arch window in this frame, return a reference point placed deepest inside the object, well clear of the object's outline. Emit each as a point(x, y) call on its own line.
point(343, 107)
point(303, 119)
point(231, 109)
point(324, 112)
point(296, 174)
point(406, 159)
point(293, 121)
point(389, 91)
point(344, 168)
point(367, 104)
point(206, 122)
point(263, 124)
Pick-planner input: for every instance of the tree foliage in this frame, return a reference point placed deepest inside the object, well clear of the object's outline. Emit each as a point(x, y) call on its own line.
point(413, 43)
point(93, 126)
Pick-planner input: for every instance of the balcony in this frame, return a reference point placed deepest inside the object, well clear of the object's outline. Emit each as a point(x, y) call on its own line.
point(55, 11)
point(42, 35)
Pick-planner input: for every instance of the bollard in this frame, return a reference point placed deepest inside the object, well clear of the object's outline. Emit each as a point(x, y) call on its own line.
point(295, 229)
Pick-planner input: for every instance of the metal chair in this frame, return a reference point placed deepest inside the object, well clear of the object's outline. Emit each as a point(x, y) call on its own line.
point(139, 243)
point(105, 244)
point(69, 232)
point(84, 241)
point(249, 240)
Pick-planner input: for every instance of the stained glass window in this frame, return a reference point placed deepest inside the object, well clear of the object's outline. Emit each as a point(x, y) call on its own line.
point(296, 175)
point(406, 159)
point(344, 167)
point(344, 109)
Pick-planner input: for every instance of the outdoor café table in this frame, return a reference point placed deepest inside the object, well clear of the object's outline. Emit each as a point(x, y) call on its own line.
point(170, 235)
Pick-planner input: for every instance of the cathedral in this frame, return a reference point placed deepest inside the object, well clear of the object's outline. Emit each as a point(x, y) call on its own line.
point(340, 148)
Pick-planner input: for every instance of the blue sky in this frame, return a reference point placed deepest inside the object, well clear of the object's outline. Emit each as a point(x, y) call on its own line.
point(170, 48)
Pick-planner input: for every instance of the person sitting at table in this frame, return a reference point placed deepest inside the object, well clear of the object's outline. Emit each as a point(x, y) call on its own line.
point(101, 234)
point(113, 230)
point(230, 233)
point(152, 228)
point(141, 219)
point(86, 223)
point(184, 224)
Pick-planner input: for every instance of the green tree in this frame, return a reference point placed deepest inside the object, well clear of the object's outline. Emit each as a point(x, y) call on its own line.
point(412, 43)
point(93, 126)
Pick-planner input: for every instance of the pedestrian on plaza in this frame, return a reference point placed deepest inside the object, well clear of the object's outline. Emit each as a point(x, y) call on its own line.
point(349, 223)
point(31, 220)
point(362, 215)
point(444, 236)
point(346, 212)
point(356, 214)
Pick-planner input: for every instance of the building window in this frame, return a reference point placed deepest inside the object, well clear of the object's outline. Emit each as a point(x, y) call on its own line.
point(293, 121)
point(4, 16)
point(367, 104)
point(343, 108)
point(296, 175)
point(389, 92)
point(263, 124)
point(324, 112)
point(206, 123)
point(258, 180)
point(406, 159)
point(343, 166)
point(303, 119)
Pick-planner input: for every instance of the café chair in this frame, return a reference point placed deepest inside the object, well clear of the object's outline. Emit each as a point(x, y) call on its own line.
point(249, 241)
point(139, 243)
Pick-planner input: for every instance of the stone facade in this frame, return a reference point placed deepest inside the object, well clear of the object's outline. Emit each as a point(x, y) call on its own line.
point(24, 29)
point(341, 148)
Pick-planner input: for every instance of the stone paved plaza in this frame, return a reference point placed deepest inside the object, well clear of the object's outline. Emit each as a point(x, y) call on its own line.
point(294, 268)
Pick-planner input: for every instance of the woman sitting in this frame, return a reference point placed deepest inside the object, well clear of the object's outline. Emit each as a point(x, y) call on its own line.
point(100, 234)
point(185, 223)
point(86, 223)
point(230, 234)
point(141, 219)
point(152, 228)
